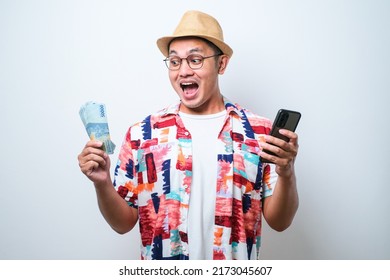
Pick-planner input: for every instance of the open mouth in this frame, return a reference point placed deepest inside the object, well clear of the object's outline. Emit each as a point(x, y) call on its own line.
point(189, 88)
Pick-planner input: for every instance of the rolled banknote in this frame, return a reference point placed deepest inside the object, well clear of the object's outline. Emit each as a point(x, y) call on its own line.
point(94, 117)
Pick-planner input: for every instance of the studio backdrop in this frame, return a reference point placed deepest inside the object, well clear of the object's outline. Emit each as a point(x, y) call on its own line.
point(330, 60)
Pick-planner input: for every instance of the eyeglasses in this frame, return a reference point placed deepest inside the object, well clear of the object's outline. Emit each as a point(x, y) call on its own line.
point(194, 61)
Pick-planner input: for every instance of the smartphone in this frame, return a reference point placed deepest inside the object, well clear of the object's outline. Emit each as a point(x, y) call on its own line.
point(285, 119)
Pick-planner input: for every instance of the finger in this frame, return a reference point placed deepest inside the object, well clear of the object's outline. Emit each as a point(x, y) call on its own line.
point(89, 167)
point(94, 144)
point(282, 161)
point(281, 155)
point(267, 157)
point(281, 152)
point(274, 141)
point(289, 134)
point(93, 157)
point(92, 150)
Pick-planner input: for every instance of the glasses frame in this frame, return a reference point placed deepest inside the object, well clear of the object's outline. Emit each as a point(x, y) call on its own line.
point(166, 60)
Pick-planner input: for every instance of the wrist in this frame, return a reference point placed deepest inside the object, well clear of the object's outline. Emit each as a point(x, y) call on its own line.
point(287, 174)
point(99, 185)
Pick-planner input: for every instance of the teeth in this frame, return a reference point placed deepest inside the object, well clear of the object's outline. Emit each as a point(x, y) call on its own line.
point(187, 84)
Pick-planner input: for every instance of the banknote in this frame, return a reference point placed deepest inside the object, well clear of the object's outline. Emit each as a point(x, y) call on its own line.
point(94, 118)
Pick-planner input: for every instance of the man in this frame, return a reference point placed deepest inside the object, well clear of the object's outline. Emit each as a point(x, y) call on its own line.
point(192, 173)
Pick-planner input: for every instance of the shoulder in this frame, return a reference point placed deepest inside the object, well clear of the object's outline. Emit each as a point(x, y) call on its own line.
point(260, 124)
point(157, 120)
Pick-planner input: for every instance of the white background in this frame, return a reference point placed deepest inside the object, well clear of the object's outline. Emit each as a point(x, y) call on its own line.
point(330, 60)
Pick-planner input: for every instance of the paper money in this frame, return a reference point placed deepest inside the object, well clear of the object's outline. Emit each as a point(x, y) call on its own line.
point(94, 117)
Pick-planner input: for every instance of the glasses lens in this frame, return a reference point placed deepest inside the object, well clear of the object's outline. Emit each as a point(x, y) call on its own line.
point(173, 62)
point(195, 61)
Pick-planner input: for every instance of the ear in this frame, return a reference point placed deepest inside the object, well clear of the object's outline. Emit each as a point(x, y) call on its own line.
point(223, 62)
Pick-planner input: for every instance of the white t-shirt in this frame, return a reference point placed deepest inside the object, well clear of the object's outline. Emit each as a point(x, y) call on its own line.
point(204, 131)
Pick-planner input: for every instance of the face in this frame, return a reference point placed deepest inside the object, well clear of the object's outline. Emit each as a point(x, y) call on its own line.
point(198, 89)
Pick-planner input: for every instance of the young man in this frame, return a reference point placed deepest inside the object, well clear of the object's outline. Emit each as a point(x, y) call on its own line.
point(192, 173)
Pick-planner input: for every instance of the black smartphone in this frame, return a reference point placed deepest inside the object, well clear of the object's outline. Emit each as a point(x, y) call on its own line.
point(285, 119)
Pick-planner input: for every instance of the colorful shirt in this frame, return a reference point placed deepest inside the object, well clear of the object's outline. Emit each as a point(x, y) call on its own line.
point(154, 174)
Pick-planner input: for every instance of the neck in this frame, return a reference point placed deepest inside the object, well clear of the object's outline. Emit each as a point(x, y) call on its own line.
point(211, 106)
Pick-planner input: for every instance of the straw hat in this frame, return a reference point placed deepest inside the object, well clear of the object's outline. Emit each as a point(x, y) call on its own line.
point(198, 24)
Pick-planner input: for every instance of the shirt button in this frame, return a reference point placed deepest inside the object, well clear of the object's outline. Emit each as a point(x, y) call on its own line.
point(186, 133)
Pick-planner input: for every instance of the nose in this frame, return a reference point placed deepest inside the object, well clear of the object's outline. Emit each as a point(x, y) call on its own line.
point(185, 69)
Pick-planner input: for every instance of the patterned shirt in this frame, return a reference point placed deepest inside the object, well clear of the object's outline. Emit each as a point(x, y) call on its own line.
point(154, 174)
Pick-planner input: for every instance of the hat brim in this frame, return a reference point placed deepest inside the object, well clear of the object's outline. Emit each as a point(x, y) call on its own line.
point(164, 42)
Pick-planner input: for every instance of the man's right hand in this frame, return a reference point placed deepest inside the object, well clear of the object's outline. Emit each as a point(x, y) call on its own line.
point(95, 163)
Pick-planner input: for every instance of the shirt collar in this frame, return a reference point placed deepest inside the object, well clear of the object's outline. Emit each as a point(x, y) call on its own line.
point(174, 108)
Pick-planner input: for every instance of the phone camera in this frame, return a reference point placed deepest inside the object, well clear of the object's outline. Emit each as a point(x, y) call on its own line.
point(283, 119)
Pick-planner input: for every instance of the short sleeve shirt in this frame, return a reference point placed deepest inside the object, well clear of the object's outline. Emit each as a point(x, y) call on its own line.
point(154, 175)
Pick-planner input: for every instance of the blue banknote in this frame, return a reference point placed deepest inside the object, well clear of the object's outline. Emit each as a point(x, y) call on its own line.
point(94, 118)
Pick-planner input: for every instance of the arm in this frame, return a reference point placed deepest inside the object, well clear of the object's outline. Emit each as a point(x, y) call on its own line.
point(95, 164)
point(280, 208)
